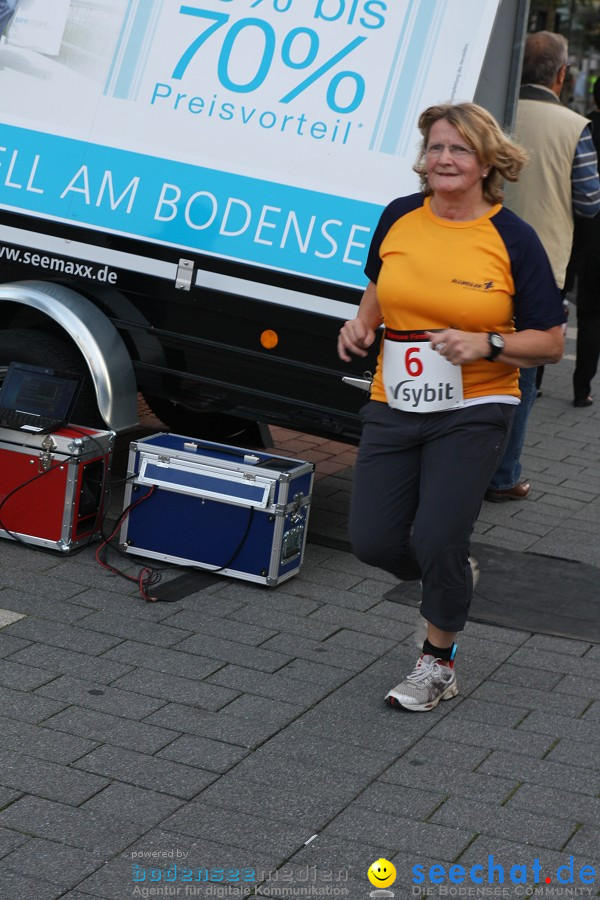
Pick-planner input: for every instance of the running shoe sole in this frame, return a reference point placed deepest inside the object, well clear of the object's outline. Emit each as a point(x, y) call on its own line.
point(450, 692)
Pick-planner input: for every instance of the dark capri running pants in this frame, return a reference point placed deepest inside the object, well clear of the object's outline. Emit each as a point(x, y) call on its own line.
point(419, 482)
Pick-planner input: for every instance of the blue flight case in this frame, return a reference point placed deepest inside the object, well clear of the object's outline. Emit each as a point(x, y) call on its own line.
point(242, 513)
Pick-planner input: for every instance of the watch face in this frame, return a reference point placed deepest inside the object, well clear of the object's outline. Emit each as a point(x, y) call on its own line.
point(496, 340)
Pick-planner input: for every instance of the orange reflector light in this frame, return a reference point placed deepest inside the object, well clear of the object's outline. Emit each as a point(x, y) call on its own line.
point(269, 339)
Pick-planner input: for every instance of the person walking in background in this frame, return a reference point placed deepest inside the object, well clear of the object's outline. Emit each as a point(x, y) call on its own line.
point(467, 296)
point(561, 179)
point(587, 272)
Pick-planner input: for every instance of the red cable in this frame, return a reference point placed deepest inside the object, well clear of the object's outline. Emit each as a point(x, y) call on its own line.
point(144, 576)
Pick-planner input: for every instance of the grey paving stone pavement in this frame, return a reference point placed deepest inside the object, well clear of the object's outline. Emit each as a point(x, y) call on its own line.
point(235, 743)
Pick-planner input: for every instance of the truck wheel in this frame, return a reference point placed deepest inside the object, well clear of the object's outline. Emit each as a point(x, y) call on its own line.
point(209, 426)
point(38, 349)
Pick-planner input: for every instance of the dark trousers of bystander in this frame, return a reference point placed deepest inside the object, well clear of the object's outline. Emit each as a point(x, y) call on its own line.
point(508, 473)
point(588, 353)
point(587, 299)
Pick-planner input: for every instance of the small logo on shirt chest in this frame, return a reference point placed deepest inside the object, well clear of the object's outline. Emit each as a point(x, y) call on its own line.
point(473, 285)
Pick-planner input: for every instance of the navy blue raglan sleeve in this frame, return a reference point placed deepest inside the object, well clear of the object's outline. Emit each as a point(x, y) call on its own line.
point(393, 211)
point(537, 302)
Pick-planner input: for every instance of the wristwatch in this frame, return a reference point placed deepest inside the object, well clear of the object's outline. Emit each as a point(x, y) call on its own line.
point(496, 344)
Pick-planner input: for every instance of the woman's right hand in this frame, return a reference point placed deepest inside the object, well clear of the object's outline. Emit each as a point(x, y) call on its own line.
point(355, 337)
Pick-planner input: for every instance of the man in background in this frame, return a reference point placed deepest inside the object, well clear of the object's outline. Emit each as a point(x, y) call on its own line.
point(587, 270)
point(561, 181)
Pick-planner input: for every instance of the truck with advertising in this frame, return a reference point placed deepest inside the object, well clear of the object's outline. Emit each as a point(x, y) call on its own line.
point(188, 189)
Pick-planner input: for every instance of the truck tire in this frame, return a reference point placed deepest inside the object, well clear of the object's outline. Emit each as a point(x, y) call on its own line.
point(35, 348)
point(208, 426)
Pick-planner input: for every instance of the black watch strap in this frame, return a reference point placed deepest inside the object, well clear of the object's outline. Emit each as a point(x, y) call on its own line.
point(495, 344)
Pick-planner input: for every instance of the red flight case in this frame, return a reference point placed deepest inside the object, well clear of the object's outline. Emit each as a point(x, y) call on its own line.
point(53, 486)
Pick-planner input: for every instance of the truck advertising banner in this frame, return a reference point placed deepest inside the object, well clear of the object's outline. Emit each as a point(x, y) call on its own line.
point(269, 132)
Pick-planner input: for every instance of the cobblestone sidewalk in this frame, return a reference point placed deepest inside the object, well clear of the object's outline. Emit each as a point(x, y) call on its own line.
point(235, 743)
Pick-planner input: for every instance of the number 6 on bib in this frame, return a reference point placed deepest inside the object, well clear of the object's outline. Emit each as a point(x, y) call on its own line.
point(416, 377)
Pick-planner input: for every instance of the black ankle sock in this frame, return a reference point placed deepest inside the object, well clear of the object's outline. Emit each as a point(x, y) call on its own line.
point(444, 653)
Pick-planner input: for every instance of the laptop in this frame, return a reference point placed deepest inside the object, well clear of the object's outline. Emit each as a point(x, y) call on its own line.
point(37, 400)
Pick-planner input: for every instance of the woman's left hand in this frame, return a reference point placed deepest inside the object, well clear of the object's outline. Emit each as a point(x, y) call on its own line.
point(459, 347)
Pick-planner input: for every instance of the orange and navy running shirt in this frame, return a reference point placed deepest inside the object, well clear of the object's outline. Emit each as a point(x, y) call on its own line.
point(485, 274)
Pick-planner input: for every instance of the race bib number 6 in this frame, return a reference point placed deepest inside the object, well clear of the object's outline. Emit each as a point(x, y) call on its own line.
point(416, 377)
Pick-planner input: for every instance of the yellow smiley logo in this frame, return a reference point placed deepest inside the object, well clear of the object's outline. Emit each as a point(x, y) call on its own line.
point(381, 873)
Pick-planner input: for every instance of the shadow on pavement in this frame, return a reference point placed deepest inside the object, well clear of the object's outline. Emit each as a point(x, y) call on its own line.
point(529, 592)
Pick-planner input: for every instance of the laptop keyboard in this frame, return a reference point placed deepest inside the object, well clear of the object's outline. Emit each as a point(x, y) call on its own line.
point(12, 418)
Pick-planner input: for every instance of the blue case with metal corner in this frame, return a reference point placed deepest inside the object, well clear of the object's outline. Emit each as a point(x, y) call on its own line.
point(242, 513)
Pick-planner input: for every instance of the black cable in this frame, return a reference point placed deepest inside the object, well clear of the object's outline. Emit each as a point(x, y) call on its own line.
point(153, 574)
point(147, 576)
point(14, 491)
point(239, 546)
point(89, 438)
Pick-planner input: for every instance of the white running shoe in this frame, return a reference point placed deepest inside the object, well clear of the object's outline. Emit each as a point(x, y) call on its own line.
point(422, 690)
point(421, 629)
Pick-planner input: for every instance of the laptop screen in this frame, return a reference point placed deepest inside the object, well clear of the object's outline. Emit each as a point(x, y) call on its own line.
point(39, 391)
